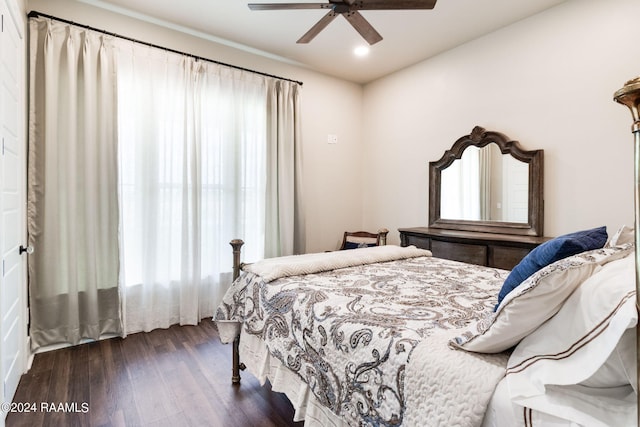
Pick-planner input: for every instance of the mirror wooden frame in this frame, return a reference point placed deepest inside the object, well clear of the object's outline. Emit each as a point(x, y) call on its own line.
point(480, 137)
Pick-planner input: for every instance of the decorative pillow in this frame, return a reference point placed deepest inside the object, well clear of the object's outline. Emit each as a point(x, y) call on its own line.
point(536, 300)
point(567, 362)
point(356, 245)
point(623, 236)
point(550, 252)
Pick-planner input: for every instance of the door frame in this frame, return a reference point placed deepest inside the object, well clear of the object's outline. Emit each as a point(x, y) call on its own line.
point(13, 19)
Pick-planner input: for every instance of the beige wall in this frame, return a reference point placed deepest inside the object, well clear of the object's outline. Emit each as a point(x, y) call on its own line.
point(329, 106)
point(546, 81)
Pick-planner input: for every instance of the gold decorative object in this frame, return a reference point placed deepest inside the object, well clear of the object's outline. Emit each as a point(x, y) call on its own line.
point(629, 95)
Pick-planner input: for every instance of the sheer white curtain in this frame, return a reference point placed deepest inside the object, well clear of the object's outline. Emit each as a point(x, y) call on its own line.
point(193, 176)
point(72, 185)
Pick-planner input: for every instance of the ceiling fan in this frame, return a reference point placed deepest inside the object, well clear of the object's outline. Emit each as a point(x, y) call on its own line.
point(350, 10)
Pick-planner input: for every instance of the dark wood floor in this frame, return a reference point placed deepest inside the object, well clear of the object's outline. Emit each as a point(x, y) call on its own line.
point(179, 376)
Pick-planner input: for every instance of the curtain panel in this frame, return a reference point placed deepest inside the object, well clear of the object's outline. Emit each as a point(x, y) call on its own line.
point(193, 176)
point(285, 224)
point(73, 214)
point(178, 156)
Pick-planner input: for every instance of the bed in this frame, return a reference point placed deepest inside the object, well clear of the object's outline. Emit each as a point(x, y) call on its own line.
point(395, 336)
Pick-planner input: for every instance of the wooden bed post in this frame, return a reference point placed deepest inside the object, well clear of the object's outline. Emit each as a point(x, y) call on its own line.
point(236, 244)
point(629, 95)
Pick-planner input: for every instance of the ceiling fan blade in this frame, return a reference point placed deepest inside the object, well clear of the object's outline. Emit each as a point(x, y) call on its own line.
point(280, 6)
point(394, 4)
point(320, 25)
point(363, 27)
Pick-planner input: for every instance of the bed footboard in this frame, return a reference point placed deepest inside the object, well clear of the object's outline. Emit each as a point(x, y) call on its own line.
point(236, 367)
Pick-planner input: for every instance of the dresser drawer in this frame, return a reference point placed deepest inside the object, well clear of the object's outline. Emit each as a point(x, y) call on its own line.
point(491, 249)
point(417, 241)
point(506, 257)
point(473, 254)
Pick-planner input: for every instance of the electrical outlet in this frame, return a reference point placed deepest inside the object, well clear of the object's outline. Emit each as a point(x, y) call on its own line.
point(332, 139)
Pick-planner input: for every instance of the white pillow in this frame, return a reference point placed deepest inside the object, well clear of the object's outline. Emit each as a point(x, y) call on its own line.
point(623, 236)
point(619, 369)
point(534, 301)
point(549, 369)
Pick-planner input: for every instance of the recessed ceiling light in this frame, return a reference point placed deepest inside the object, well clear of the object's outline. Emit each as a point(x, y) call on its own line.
point(361, 51)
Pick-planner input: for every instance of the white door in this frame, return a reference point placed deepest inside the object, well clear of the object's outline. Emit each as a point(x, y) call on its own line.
point(13, 325)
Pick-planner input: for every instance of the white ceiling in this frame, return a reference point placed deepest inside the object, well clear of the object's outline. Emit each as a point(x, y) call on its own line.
point(409, 36)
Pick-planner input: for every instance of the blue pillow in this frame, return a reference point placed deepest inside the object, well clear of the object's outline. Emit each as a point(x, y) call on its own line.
point(550, 252)
point(355, 245)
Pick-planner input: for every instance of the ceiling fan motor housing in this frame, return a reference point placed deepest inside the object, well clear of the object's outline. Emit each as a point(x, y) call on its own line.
point(341, 7)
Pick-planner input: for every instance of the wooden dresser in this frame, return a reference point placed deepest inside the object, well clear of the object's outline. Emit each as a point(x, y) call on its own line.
point(490, 249)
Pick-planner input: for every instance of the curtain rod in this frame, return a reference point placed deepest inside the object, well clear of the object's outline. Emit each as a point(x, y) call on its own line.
point(35, 14)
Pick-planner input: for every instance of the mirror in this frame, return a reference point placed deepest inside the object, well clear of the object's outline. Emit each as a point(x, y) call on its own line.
point(485, 185)
point(486, 182)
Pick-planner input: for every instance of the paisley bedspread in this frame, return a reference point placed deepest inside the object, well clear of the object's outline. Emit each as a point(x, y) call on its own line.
point(350, 333)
